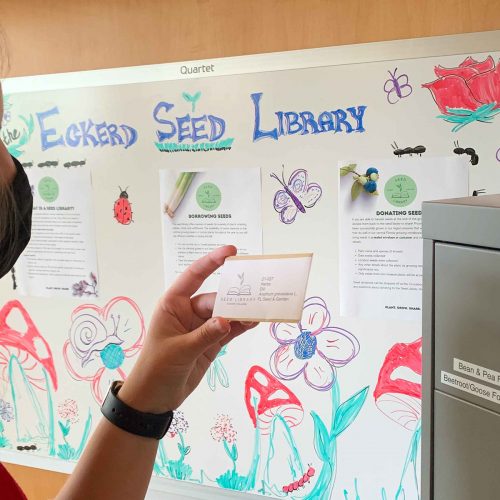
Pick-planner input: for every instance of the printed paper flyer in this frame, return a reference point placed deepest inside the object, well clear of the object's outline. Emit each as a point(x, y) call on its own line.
point(61, 258)
point(204, 210)
point(381, 231)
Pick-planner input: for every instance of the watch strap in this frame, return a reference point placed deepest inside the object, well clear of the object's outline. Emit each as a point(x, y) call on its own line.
point(136, 422)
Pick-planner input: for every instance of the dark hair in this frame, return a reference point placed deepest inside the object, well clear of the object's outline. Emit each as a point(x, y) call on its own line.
point(8, 210)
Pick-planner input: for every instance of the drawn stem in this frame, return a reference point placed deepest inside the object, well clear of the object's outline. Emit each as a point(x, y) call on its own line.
point(411, 458)
point(252, 472)
point(183, 448)
point(52, 432)
point(85, 436)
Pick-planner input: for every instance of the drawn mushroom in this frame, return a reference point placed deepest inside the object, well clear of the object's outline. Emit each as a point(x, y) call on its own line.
point(266, 397)
point(397, 397)
point(26, 343)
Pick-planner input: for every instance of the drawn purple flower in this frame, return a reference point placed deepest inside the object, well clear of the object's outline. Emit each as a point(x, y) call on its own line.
point(179, 424)
point(6, 411)
point(83, 287)
point(312, 348)
point(79, 288)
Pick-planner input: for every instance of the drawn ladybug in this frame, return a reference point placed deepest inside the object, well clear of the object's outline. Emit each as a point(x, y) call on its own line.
point(306, 477)
point(123, 208)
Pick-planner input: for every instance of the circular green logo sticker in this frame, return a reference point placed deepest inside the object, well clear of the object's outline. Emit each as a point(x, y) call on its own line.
point(208, 196)
point(48, 189)
point(400, 190)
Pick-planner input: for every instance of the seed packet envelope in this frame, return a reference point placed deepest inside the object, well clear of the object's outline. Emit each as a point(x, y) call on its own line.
point(263, 287)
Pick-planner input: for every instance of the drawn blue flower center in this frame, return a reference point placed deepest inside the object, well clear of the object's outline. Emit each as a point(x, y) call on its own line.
point(112, 356)
point(305, 345)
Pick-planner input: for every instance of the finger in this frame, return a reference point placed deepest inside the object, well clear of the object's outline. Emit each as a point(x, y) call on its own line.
point(238, 328)
point(203, 305)
point(211, 333)
point(193, 277)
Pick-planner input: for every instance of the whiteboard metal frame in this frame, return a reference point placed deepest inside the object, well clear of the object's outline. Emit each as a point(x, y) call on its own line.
point(468, 43)
point(414, 48)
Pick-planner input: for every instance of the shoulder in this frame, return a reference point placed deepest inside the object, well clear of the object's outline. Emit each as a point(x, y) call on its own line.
point(9, 487)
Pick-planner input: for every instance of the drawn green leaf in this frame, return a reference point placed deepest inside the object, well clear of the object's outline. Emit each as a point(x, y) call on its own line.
point(348, 411)
point(234, 452)
point(187, 97)
point(347, 169)
point(64, 428)
point(356, 190)
point(321, 437)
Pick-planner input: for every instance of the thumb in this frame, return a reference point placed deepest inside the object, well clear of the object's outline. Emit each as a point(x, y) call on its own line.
point(212, 331)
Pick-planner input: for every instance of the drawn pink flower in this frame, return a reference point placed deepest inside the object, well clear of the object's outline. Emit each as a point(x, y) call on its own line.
point(223, 429)
point(100, 339)
point(68, 410)
point(397, 394)
point(312, 348)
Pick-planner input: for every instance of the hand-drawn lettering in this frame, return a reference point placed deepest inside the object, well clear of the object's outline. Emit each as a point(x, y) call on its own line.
point(305, 122)
point(85, 133)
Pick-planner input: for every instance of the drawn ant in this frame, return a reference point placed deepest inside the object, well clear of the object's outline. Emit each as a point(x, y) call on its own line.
point(28, 164)
point(417, 150)
point(477, 192)
point(289, 488)
point(14, 281)
point(75, 163)
point(27, 448)
point(474, 157)
point(48, 163)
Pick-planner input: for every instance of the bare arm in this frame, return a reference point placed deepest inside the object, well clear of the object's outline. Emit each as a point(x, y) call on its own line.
point(181, 343)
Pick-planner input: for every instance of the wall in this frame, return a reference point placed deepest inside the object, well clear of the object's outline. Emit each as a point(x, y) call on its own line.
point(57, 36)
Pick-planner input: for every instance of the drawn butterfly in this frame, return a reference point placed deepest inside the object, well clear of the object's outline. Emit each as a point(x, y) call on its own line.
point(296, 196)
point(397, 88)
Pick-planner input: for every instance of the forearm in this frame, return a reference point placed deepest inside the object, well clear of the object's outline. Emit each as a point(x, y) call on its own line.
point(115, 465)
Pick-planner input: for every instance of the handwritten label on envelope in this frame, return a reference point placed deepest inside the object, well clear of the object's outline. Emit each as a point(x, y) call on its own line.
point(263, 287)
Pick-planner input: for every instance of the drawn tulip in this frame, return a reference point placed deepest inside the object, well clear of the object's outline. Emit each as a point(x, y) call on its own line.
point(467, 93)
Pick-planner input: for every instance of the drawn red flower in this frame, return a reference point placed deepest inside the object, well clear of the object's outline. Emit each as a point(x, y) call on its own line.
point(100, 340)
point(396, 395)
point(468, 86)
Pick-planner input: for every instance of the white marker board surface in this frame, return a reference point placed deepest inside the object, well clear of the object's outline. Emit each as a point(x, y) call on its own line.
point(294, 115)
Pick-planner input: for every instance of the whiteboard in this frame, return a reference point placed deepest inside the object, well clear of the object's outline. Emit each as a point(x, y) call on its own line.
point(368, 457)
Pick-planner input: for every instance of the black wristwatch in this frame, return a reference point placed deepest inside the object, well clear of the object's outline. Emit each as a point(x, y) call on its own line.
point(152, 425)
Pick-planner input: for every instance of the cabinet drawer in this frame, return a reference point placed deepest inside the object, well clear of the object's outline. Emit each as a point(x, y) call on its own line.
point(467, 321)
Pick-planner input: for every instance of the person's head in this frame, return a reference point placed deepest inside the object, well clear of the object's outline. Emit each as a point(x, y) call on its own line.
point(8, 212)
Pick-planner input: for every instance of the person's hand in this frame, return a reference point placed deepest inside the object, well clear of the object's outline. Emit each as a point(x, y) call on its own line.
point(182, 341)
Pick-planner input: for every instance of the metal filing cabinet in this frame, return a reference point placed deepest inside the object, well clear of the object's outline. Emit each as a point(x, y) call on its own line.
point(461, 349)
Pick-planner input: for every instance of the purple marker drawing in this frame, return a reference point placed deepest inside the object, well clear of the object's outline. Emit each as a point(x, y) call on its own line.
point(397, 87)
point(296, 195)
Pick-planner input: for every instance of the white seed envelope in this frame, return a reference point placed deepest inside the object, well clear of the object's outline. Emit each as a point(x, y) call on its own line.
point(263, 287)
